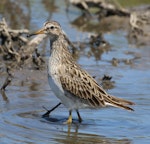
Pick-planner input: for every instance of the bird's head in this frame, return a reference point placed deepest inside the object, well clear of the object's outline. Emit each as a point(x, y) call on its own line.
point(50, 28)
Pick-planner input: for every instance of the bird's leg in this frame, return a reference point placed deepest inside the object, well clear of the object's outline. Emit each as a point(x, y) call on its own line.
point(49, 111)
point(79, 117)
point(69, 121)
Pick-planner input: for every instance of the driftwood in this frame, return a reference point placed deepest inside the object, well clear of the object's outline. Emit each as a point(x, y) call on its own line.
point(140, 27)
point(8, 79)
point(17, 48)
point(98, 14)
point(101, 8)
point(8, 39)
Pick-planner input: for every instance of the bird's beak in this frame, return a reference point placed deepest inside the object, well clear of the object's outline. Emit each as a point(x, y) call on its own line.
point(41, 31)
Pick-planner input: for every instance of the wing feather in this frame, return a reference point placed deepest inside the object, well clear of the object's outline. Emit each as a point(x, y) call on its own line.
point(79, 83)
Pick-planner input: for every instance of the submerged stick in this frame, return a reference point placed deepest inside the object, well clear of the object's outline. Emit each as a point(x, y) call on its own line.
point(7, 80)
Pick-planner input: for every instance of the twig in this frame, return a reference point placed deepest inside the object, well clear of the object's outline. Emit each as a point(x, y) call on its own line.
point(7, 81)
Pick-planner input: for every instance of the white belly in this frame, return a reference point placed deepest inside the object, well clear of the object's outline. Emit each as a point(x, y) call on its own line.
point(71, 104)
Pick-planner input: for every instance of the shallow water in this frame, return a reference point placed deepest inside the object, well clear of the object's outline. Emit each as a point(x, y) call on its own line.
point(21, 107)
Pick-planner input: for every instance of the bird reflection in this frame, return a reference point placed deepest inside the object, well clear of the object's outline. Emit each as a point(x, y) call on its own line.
point(73, 136)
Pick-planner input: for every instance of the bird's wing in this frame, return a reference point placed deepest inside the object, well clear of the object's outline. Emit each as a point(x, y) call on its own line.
point(79, 83)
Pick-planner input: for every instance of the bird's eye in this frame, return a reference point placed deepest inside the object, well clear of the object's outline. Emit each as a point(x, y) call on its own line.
point(52, 27)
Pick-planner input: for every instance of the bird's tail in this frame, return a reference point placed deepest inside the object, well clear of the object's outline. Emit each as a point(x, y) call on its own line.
point(118, 102)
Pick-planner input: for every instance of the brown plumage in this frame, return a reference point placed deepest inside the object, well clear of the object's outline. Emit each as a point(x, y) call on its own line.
point(71, 84)
point(79, 83)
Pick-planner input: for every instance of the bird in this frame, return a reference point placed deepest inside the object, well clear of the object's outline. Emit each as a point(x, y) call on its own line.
point(74, 86)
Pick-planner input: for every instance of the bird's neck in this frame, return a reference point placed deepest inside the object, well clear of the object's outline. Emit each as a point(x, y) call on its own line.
point(59, 49)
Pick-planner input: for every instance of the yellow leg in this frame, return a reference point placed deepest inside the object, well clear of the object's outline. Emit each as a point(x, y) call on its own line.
point(79, 117)
point(69, 121)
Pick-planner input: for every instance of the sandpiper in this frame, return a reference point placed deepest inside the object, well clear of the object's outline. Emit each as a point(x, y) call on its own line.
point(75, 88)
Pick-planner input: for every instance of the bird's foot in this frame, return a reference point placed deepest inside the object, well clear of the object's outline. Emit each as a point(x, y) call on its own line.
point(69, 121)
point(47, 113)
point(80, 120)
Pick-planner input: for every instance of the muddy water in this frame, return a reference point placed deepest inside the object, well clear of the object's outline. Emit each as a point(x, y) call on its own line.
point(21, 105)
